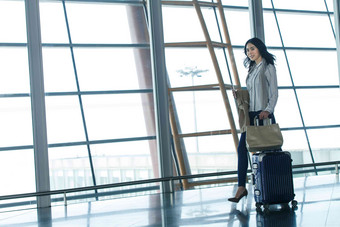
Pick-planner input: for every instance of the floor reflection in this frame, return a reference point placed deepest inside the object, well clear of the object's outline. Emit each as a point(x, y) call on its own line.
point(243, 217)
point(318, 206)
point(276, 216)
point(44, 217)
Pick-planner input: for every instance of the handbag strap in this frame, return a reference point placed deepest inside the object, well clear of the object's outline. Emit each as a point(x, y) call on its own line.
point(257, 121)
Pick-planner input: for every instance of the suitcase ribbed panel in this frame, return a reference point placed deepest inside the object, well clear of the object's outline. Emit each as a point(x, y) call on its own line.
point(273, 178)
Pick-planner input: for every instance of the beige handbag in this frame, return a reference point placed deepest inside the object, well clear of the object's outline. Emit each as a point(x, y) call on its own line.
point(263, 137)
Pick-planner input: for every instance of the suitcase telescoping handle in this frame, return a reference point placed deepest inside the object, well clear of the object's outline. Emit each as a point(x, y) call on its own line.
point(266, 121)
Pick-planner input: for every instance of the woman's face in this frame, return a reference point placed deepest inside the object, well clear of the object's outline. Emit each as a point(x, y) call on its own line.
point(253, 53)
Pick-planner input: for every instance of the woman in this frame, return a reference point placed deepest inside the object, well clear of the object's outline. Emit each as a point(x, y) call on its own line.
point(263, 93)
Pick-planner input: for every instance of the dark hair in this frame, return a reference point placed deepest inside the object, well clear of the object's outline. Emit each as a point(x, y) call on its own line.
point(270, 58)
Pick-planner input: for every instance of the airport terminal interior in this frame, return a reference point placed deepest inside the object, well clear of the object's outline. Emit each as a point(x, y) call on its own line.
point(121, 112)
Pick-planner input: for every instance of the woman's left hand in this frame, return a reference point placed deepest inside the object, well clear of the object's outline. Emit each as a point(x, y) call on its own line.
point(264, 115)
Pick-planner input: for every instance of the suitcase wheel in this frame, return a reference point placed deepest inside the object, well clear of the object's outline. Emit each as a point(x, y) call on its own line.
point(258, 205)
point(294, 204)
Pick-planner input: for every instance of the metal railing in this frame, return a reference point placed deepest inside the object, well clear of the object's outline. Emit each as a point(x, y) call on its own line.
point(64, 192)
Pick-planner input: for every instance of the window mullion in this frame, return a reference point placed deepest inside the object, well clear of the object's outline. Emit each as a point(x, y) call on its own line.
point(37, 101)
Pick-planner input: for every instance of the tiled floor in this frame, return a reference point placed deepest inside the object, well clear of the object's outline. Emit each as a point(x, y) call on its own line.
point(318, 205)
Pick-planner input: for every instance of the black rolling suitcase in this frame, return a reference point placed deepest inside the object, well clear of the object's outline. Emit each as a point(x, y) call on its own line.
point(273, 178)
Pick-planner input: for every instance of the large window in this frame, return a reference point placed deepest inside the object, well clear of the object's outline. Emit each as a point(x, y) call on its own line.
point(191, 66)
point(16, 148)
point(97, 99)
point(302, 37)
point(98, 95)
point(99, 90)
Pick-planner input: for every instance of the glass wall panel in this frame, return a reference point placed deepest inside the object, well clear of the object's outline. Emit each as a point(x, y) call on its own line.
point(235, 3)
point(304, 28)
point(17, 172)
point(13, 79)
point(107, 23)
point(271, 31)
point(15, 121)
point(53, 24)
point(313, 38)
point(184, 27)
point(225, 65)
point(211, 18)
point(205, 158)
point(201, 111)
point(16, 158)
point(323, 72)
point(64, 119)
point(106, 68)
point(238, 25)
point(330, 5)
point(113, 162)
point(102, 59)
point(315, 5)
point(58, 70)
point(286, 110)
point(13, 22)
point(114, 116)
point(69, 167)
point(325, 144)
point(185, 69)
point(320, 106)
point(295, 142)
point(282, 72)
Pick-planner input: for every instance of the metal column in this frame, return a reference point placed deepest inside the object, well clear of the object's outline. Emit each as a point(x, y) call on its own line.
point(256, 19)
point(337, 30)
point(37, 101)
point(160, 89)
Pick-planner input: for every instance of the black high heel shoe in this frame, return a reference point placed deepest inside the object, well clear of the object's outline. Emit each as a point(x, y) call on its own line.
point(237, 199)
